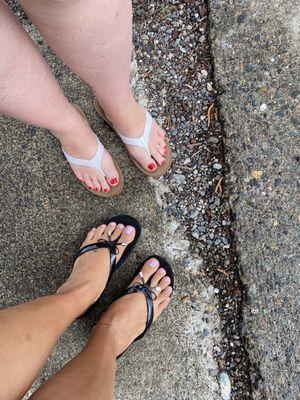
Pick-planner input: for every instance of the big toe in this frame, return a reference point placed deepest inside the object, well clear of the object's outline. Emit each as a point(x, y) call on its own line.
point(110, 170)
point(144, 159)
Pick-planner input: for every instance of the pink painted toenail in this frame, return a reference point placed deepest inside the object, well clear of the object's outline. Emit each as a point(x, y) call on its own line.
point(113, 181)
point(121, 226)
point(163, 162)
point(151, 166)
point(128, 230)
point(153, 263)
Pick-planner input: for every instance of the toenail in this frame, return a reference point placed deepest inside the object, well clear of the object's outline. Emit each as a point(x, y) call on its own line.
point(90, 187)
point(153, 263)
point(106, 190)
point(128, 230)
point(163, 162)
point(169, 289)
point(161, 271)
point(121, 226)
point(112, 224)
point(113, 181)
point(168, 280)
point(151, 166)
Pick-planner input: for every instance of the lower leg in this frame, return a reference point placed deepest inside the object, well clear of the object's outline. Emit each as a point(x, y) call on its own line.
point(28, 332)
point(30, 93)
point(94, 38)
point(90, 375)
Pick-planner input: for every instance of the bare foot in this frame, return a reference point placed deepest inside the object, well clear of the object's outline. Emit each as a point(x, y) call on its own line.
point(129, 121)
point(91, 270)
point(80, 141)
point(127, 315)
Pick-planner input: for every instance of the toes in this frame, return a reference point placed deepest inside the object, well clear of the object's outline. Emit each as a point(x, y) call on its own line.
point(89, 237)
point(96, 184)
point(165, 294)
point(143, 158)
point(88, 182)
point(158, 157)
point(164, 304)
point(161, 133)
point(128, 234)
point(165, 282)
point(118, 231)
point(99, 232)
point(148, 270)
point(79, 176)
point(109, 231)
point(104, 185)
point(110, 169)
point(157, 277)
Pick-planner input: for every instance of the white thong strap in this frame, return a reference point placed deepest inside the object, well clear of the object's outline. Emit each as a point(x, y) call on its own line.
point(143, 140)
point(94, 162)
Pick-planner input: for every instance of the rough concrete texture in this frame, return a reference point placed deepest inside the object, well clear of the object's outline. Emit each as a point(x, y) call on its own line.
point(256, 51)
point(44, 216)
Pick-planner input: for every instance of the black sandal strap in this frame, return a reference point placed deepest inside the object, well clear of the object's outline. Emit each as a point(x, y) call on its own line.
point(110, 245)
point(148, 292)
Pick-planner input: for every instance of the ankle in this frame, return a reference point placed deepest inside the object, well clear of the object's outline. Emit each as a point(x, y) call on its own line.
point(113, 111)
point(106, 333)
point(79, 296)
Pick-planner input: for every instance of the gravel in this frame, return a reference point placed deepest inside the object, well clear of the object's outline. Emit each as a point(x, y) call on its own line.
point(173, 57)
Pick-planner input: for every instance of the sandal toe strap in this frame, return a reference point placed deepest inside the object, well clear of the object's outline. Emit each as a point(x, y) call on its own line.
point(110, 245)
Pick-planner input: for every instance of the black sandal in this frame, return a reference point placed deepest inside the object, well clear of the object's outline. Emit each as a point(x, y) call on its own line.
point(148, 291)
point(112, 246)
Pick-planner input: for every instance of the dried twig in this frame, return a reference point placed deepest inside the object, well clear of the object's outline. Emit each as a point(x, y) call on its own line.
point(222, 271)
point(208, 114)
point(183, 167)
point(218, 188)
point(194, 144)
point(168, 121)
point(197, 152)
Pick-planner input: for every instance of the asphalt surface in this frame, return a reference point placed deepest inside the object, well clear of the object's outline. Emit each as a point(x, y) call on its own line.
point(256, 55)
point(44, 216)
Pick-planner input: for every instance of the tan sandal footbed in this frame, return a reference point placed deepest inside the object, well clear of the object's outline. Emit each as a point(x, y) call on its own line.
point(114, 190)
point(161, 169)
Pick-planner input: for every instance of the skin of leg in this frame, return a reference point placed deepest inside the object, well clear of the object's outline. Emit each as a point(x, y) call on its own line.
point(28, 90)
point(28, 332)
point(91, 374)
point(30, 93)
point(94, 38)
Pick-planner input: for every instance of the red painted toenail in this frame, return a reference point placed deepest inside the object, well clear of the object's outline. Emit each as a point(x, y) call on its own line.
point(151, 166)
point(113, 181)
point(90, 187)
point(105, 190)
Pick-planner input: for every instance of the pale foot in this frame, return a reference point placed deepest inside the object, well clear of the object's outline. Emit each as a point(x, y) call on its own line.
point(78, 140)
point(129, 120)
